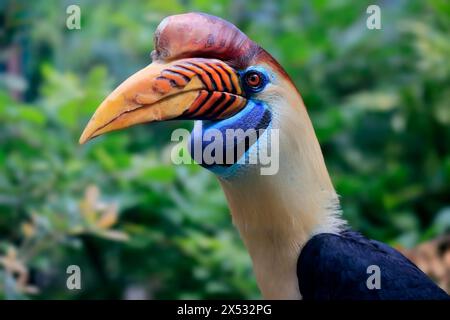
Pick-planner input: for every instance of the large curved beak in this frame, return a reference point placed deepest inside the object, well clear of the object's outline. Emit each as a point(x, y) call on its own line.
point(183, 89)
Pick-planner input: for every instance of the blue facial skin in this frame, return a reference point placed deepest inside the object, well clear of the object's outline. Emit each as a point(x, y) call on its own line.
point(255, 115)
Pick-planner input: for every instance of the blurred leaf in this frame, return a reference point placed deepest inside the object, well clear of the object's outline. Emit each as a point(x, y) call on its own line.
point(160, 174)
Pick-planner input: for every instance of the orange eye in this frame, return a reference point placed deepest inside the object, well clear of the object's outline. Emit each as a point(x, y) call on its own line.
point(253, 79)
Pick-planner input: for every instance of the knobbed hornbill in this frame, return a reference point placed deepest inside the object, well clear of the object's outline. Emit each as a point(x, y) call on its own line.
point(206, 69)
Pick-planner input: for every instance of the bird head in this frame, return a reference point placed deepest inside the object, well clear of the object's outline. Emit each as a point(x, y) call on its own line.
point(205, 69)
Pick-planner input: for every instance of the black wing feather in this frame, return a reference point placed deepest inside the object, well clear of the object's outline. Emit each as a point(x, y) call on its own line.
point(334, 267)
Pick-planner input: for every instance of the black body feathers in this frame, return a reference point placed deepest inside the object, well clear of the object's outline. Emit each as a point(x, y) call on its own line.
point(334, 267)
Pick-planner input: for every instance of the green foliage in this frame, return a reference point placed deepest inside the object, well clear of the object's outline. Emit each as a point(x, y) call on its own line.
point(136, 223)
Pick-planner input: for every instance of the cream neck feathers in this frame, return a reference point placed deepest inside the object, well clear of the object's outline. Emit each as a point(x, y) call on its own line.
point(277, 214)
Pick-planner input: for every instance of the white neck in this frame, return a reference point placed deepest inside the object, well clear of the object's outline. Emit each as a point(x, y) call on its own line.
point(277, 214)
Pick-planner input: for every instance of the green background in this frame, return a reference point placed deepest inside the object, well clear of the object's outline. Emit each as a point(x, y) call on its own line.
point(139, 226)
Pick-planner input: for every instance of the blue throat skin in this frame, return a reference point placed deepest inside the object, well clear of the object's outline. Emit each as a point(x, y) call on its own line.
point(256, 115)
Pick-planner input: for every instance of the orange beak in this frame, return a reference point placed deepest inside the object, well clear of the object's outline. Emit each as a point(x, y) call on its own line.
point(183, 89)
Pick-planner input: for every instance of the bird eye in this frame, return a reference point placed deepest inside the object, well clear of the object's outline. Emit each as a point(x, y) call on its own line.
point(254, 80)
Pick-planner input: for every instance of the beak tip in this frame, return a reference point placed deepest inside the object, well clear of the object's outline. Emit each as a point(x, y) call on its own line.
point(84, 138)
